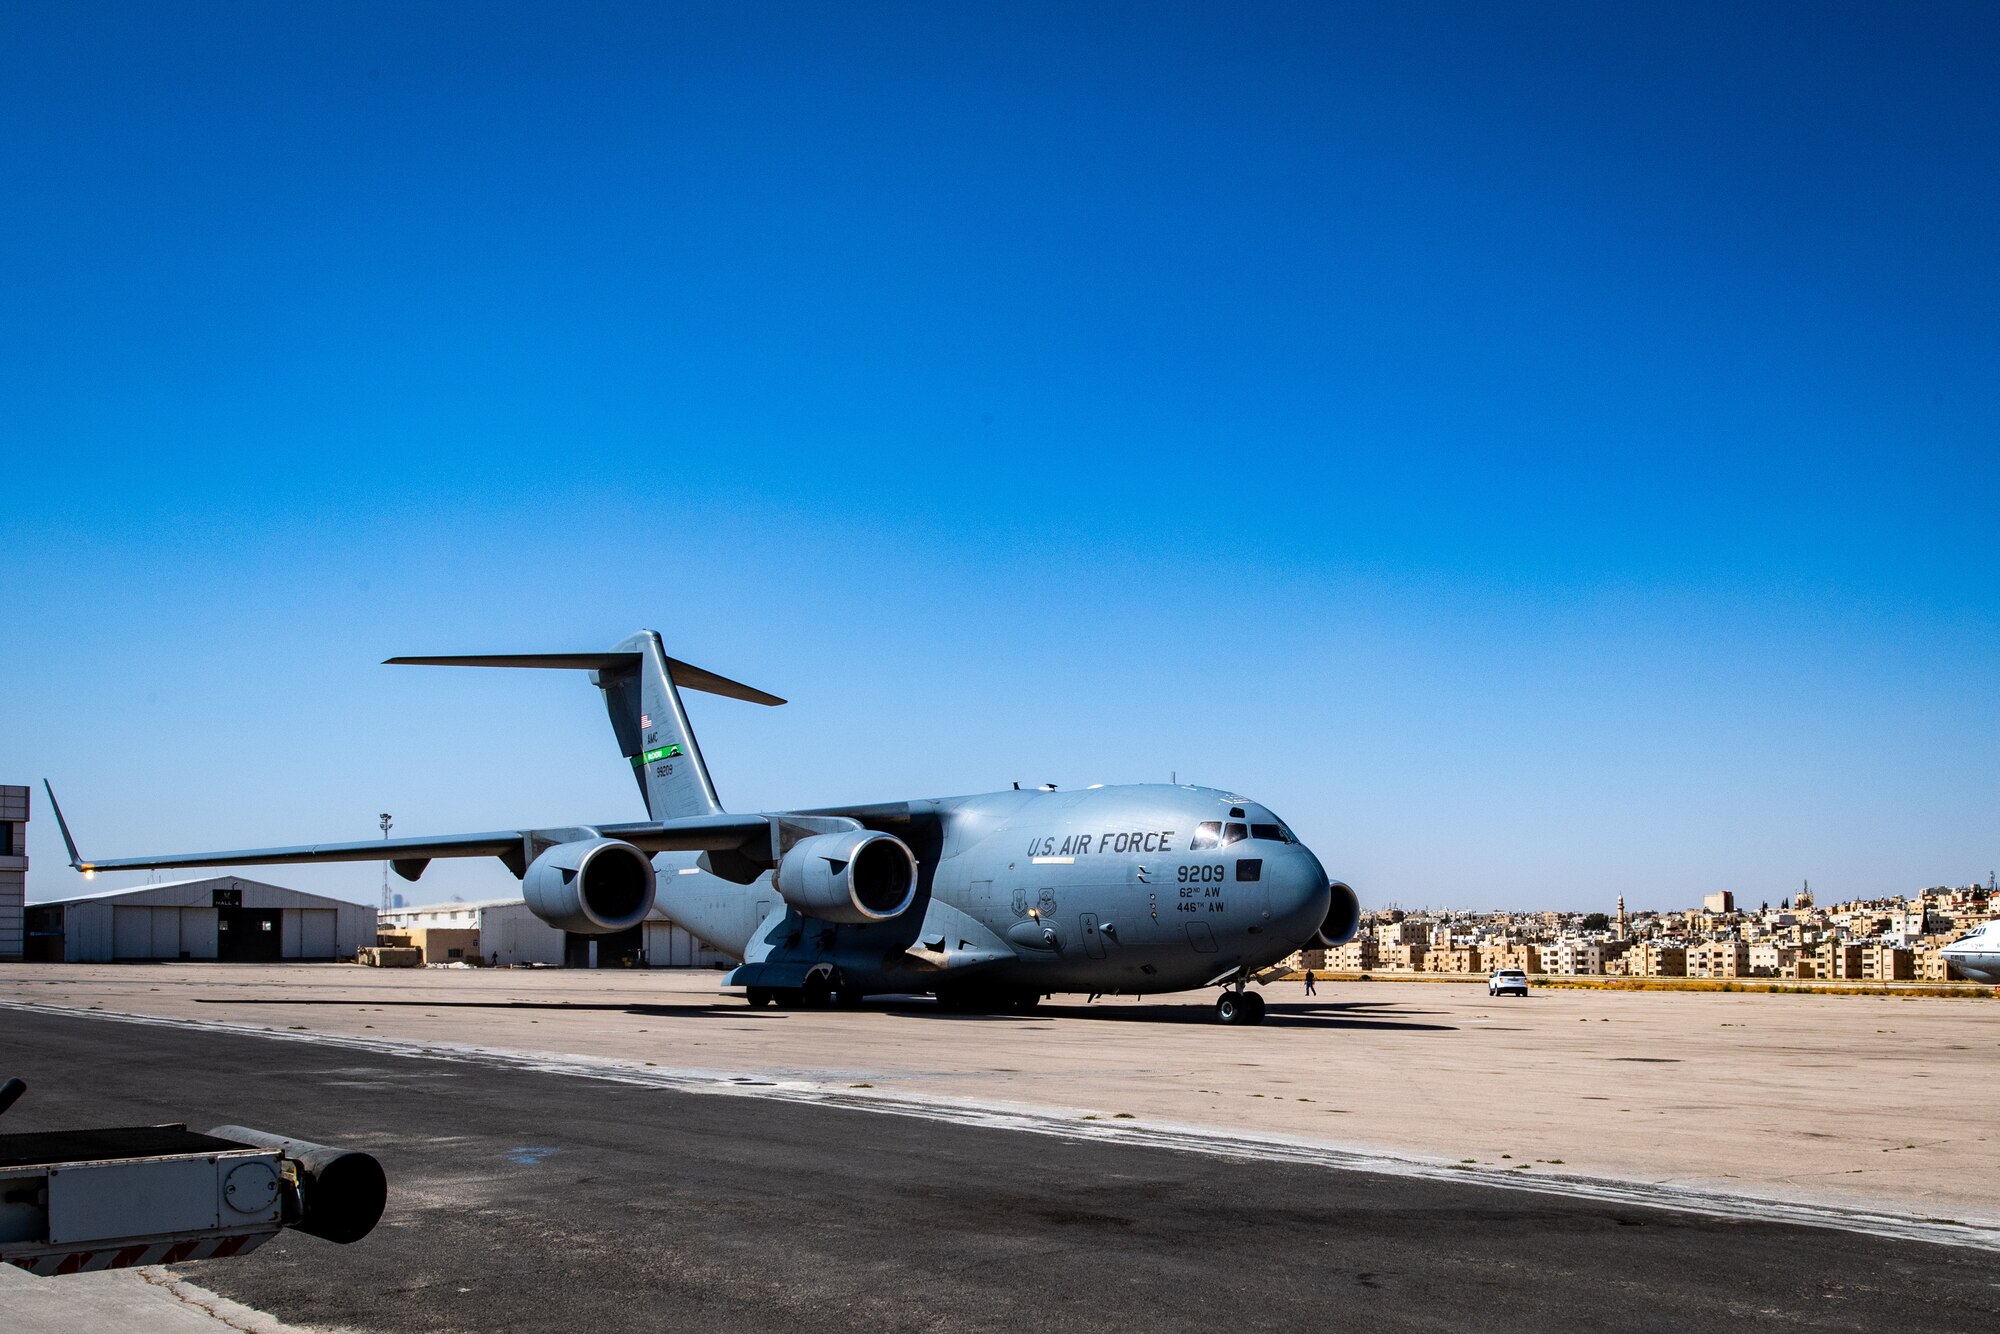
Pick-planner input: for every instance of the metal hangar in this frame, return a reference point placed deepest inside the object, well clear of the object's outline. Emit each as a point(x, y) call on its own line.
point(223, 918)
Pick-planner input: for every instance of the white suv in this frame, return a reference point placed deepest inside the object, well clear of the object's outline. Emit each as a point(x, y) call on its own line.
point(1507, 982)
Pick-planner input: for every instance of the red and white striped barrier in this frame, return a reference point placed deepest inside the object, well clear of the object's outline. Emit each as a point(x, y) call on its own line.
point(84, 1261)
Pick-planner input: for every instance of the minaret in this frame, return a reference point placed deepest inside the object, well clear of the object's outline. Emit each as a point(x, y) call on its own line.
point(1623, 925)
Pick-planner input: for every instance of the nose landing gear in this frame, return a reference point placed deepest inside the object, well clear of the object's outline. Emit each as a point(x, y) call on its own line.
point(1239, 1007)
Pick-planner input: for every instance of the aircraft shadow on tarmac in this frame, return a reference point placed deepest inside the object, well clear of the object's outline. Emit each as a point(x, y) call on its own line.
point(372, 1003)
point(1331, 1014)
point(1114, 1010)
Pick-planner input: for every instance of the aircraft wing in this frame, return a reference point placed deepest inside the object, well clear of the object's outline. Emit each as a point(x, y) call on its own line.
point(516, 847)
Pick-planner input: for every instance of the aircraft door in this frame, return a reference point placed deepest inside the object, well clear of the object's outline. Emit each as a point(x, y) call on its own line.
point(1249, 904)
point(1093, 939)
point(983, 905)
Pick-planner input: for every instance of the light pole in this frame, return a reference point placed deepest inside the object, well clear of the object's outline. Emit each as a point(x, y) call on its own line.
point(385, 822)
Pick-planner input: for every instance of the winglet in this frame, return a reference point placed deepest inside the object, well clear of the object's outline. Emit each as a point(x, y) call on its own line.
point(76, 861)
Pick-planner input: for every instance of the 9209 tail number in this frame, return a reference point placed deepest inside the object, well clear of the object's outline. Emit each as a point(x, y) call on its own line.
point(1201, 884)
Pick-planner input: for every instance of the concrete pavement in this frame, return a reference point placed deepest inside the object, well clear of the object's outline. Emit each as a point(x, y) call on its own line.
point(1861, 1101)
point(524, 1199)
point(154, 1300)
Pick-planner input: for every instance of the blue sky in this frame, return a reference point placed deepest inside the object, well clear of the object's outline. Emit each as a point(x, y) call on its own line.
point(1545, 452)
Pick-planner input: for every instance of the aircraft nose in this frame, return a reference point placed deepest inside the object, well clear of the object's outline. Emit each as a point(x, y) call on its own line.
point(1299, 893)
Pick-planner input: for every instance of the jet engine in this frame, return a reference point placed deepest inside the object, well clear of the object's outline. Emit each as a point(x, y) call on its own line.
point(1343, 917)
point(855, 876)
point(593, 887)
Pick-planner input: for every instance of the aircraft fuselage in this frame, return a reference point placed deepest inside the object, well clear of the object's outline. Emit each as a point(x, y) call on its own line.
point(1131, 889)
point(1976, 955)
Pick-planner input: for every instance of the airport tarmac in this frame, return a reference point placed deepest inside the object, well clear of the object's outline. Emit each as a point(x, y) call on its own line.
point(1867, 1102)
point(531, 1199)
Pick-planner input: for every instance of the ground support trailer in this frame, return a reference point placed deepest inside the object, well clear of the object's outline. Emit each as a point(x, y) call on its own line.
point(72, 1201)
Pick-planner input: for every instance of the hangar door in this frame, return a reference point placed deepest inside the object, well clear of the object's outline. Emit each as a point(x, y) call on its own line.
point(198, 933)
point(668, 946)
point(315, 932)
point(612, 950)
point(141, 932)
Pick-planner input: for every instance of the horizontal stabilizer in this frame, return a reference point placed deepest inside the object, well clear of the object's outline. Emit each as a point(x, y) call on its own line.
point(685, 674)
point(690, 677)
point(601, 662)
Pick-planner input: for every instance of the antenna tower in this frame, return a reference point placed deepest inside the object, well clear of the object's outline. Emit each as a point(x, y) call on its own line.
point(385, 821)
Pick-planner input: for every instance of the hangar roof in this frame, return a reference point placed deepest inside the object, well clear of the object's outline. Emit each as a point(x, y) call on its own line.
point(181, 893)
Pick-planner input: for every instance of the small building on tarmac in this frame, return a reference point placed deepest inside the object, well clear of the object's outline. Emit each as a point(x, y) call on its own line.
point(506, 931)
point(13, 867)
point(223, 918)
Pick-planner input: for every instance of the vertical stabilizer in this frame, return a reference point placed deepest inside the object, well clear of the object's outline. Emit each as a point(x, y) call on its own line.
point(653, 731)
point(642, 693)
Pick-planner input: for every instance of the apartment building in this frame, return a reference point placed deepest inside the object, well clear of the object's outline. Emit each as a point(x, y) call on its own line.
point(1648, 959)
point(1718, 958)
point(1456, 960)
point(1403, 958)
point(1768, 958)
point(1574, 957)
point(1888, 963)
point(1356, 956)
point(1837, 959)
point(1408, 931)
point(1527, 958)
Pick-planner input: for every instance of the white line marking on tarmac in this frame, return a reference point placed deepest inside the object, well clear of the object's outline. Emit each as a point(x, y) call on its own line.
point(1980, 1234)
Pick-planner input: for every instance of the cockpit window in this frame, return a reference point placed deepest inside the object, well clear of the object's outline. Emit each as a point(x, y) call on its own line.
point(1207, 834)
point(1275, 833)
point(1234, 833)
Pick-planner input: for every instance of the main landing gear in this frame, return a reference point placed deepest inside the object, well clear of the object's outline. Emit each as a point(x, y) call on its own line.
point(818, 993)
point(1239, 1007)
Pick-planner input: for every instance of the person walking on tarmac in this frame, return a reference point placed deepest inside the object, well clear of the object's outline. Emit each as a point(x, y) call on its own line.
point(1309, 983)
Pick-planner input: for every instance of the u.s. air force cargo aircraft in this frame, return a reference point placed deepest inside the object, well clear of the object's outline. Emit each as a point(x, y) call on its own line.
point(987, 902)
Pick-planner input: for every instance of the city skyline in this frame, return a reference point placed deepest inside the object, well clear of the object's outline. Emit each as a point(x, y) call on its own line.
point(1899, 939)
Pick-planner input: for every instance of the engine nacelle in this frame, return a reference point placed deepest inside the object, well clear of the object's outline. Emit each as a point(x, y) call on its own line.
point(593, 887)
point(1343, 918)
point(855, 876)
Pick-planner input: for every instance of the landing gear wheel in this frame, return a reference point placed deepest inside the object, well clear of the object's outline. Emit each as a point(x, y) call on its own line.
point(1239, 1007)
point(1026, 1003)
point(818, 993)
point(759, 997)
point(848, 998)
point(788, 998)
